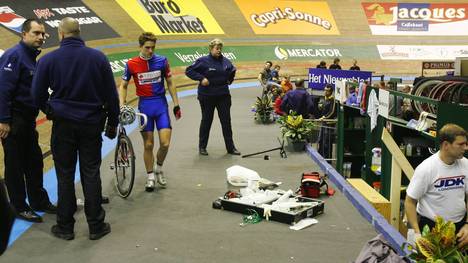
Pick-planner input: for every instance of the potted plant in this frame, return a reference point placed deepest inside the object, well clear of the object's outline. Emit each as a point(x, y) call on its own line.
point(438, 244)
point(296, 130)
point(263, 109)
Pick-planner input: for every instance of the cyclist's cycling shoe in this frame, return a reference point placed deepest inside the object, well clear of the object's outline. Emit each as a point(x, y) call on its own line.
point(150, 185)
point(161, 179)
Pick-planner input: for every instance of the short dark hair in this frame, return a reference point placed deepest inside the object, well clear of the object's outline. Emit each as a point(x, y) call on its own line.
point(329, 86)
point(323, 63)
point(336, 60)
point(27, 24)
point(271, 63)
point(299, 83)
point(449, 133)
point(146, 36)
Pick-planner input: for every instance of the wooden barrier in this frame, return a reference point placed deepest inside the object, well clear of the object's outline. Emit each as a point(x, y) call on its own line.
point(379, 202)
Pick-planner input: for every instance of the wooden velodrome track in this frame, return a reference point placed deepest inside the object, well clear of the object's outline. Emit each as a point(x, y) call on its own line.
point(348, 14)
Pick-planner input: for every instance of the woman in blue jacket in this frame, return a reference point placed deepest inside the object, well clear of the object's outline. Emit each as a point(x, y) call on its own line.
point(214, 73)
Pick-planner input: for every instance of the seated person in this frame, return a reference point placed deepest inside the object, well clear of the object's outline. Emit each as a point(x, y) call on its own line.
point(286, 84)
point(297, 100)
point(277, 104)
point(355, 66)
point(352, 97)
point(336, 64)
point(275, 73)
point(407, 112)
point(439, 186)
point(322, 64)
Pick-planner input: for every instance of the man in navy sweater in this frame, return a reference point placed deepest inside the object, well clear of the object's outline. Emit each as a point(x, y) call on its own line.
point(297, 100)
point(23, 156)
point(83, 93)
point(214, 73)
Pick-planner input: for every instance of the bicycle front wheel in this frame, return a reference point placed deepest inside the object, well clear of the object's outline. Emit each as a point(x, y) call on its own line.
point(124, 166)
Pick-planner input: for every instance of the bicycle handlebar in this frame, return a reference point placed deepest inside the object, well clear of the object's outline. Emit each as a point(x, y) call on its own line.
point(145, 119)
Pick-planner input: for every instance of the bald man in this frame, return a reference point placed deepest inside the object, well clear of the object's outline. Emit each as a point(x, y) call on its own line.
point(83, 94)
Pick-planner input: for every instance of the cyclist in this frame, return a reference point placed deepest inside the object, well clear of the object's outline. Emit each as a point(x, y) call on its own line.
point(149, 72)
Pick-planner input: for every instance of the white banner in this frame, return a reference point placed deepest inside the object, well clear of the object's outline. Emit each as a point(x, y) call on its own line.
point(384, 103)
point(408, 52)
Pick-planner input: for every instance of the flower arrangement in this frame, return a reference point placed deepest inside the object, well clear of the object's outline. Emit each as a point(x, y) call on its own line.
point(438, 244)
point(263, 109)
point(294, 127)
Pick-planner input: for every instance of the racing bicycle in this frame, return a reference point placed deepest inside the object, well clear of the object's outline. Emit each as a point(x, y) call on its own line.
point(124, 157)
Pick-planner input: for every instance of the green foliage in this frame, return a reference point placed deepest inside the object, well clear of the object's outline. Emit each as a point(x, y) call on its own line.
point(438, 244)
point(293, 126)
point(263, 109)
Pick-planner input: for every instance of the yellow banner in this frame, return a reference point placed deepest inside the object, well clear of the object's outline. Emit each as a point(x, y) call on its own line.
point(282, 17)
point(172, 17)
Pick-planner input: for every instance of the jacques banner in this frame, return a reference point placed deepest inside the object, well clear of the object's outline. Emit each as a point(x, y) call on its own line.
point(429, 19)
point(14, 12)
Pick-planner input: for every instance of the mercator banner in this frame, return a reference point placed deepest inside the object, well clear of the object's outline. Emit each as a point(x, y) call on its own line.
point(14, 12)
point(318, 77)
point(430, 19)
point(184, 56)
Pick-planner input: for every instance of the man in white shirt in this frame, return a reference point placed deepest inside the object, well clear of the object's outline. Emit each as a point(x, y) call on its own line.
point(440, 185)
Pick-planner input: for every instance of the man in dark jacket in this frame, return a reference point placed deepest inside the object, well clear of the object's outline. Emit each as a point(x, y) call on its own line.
point(23, 156)
point(83, 92)
point(215, 73)
point(297, 100)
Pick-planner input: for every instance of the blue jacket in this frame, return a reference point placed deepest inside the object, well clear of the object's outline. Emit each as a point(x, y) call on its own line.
point(17, 66)
point(297, 100)
point(219, 71)
point(81, 81)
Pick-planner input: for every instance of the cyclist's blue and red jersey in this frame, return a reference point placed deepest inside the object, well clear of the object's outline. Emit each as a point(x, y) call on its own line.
point(149, 76)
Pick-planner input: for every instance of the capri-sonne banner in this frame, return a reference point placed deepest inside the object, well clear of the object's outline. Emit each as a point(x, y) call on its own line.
point(271, 17)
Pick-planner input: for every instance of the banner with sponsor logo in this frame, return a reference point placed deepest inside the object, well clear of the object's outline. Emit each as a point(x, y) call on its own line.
point(437, 68)
point(319, 78)
point(184, 56)
point(409, 52)
point(435, 19)
point(288, 17)
point(172, 17)
point(14, 12)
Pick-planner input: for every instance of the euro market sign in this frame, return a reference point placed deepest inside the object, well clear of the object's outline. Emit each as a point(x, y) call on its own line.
point(417, 18)
point(172, 17)
point(288, 17)
point(13, 13)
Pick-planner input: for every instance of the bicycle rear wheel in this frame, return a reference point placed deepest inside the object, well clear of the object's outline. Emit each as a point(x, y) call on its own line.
point(124, 166)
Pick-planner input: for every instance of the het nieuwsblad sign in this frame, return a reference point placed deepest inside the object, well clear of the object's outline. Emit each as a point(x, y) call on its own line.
point(13, 13)
point(172, 17)
point(417, 18)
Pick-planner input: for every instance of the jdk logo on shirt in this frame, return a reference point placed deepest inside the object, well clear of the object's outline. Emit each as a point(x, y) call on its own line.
point(450, 183)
